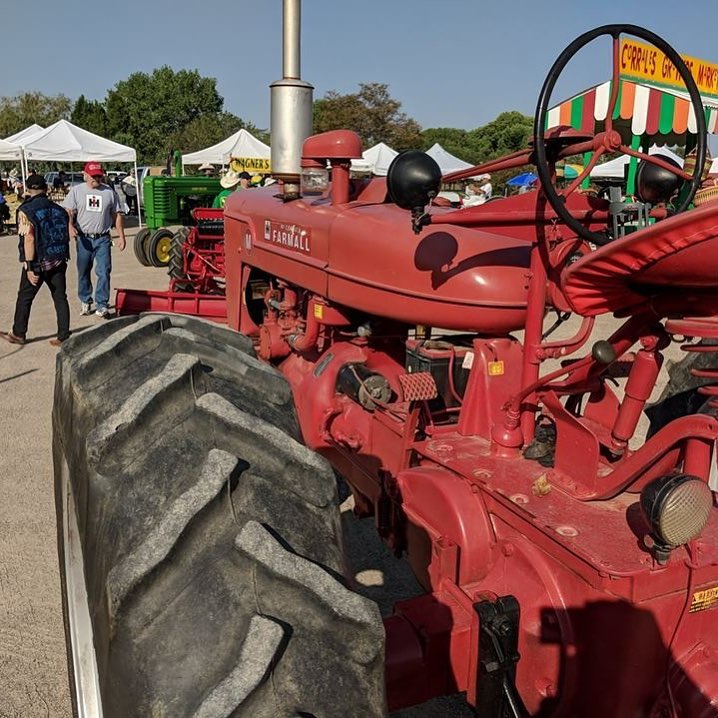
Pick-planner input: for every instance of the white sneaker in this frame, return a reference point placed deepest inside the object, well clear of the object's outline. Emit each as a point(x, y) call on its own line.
point(86, 308)
point(104, 313)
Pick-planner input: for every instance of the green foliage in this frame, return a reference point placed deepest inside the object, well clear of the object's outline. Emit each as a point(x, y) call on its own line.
point(168, 109)
point(372, 113)
point(509, 132)
point(145, 111)
point(210, 129)
point(90, 115)
point(17, 113)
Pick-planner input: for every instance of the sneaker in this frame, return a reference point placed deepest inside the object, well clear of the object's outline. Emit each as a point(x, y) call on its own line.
point(56, 342)
point(103, 312)
point(86, 309)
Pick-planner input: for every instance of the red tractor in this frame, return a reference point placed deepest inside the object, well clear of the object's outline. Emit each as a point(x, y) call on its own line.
point(565, 570)
point(196, 256)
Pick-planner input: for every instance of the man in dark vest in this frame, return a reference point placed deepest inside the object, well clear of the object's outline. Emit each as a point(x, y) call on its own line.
point(44, 249)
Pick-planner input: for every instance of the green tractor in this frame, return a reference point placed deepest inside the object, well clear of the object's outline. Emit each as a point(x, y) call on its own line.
point(168, 204)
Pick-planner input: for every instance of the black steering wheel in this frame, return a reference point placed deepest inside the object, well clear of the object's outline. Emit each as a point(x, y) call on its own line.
point(548, 149)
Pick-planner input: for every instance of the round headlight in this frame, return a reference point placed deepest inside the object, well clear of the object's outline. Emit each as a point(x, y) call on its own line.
point(677, 508)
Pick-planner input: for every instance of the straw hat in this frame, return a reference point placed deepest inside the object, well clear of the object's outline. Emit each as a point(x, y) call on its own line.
point(230, 179)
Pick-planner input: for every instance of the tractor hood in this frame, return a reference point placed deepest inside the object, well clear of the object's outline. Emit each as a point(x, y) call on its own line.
point(365, 256)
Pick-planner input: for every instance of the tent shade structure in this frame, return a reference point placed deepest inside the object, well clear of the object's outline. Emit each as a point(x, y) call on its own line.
point(640, 110)
point(616, 168)
point(24, 134)
point(65, 142)
point(10, 151)
point(446, 161)
point(375, 160)
point(522, 180)
point(240, 144)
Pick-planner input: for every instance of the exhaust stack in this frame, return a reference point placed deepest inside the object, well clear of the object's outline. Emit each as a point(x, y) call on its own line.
point(291, 105)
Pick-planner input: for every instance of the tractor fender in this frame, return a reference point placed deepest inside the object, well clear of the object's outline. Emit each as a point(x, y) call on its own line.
point(448, 531)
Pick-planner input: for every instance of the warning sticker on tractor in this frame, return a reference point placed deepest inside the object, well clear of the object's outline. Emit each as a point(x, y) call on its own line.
point(705, 599)
point(289, 236)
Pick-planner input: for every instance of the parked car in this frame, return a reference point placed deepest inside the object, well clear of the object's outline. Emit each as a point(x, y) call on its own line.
point(71, 178)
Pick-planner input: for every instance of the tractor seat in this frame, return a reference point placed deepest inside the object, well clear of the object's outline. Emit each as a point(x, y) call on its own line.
point(675, 259)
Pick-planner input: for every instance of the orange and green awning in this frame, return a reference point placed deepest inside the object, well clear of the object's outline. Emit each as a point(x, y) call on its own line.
point(650, 110)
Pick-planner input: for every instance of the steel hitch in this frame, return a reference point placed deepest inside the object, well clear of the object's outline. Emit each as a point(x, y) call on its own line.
point(496, 692)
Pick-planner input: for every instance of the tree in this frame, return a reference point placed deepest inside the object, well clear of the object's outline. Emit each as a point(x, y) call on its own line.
point(21, 111)
point(509, 132)
point(145, 111)
point(372, 113)
point(90, 115)
point(210, 129)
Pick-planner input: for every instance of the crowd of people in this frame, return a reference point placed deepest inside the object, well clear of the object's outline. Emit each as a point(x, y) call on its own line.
point(46, 230)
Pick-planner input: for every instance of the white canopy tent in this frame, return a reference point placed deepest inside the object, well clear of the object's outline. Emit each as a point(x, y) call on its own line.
point(446, 161)
point(240, 144)
point(375, 160)
point(615, 169)
point(65, 142)
point(10, 151)
point(23, 134)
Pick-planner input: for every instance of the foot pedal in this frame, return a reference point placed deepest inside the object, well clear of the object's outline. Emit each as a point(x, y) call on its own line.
point(419, 386)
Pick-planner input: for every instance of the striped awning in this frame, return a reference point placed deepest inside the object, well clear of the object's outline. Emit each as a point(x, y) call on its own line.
point(650, 110)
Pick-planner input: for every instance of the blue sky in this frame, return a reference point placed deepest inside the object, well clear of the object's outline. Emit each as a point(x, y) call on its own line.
point(450, 63)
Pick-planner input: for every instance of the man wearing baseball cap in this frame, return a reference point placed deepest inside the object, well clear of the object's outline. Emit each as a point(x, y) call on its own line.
point(94, 208)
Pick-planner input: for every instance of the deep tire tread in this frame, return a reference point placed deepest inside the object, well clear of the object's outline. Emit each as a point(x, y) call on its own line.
point(212, 539)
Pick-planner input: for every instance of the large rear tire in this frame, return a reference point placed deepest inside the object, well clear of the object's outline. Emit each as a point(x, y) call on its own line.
point(681, 396)
point(200, 546)
point(175, 266)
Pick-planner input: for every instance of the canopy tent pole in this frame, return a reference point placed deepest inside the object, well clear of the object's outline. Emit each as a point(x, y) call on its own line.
point(23, 168)
point(139, 204)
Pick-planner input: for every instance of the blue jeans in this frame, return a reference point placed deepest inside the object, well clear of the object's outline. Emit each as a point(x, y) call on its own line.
point(97, 251)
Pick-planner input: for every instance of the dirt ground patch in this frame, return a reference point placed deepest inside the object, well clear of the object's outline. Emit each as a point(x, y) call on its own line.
point(33, 676)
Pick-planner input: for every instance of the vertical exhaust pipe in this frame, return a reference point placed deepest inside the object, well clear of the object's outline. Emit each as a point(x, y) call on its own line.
point(291, 105)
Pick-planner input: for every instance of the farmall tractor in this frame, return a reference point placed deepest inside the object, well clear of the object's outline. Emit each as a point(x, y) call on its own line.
point(567, 569)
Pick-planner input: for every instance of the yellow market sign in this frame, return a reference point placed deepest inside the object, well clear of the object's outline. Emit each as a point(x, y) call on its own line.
point(251, 164)
point(647, 63)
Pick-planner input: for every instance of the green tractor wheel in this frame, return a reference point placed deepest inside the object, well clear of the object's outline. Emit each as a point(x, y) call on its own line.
point(158, 247)
point(140, 246)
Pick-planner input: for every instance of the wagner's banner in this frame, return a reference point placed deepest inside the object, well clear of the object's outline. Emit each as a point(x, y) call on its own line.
point(647, 63)
point(253, 165)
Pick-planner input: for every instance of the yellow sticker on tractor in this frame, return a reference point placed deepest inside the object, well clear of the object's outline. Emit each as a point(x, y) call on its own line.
point(318, 311)
point(705, 599)
point(496, 368)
